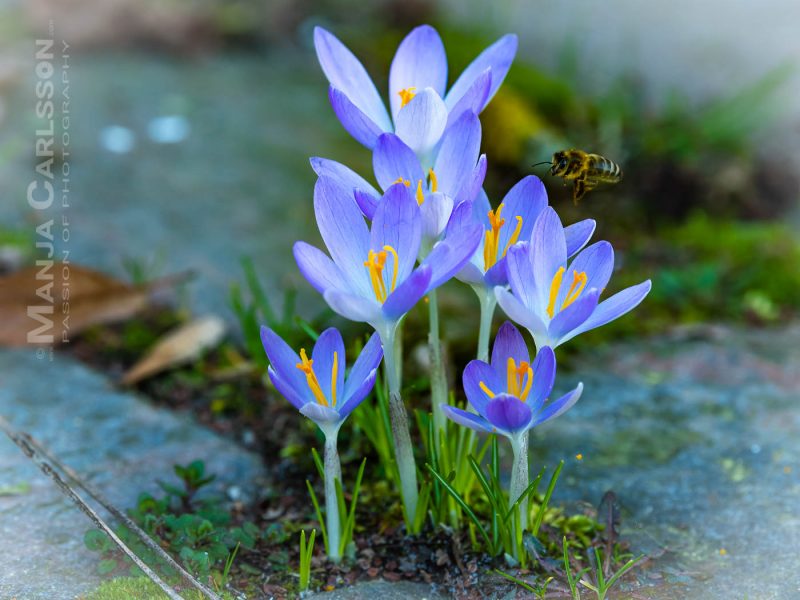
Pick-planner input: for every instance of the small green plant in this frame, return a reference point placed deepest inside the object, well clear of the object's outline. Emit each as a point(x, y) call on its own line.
point(505, 533)
point(306, 552)
point(196, 530)
point(540, 590)
point(193, 478)
point(601, 584)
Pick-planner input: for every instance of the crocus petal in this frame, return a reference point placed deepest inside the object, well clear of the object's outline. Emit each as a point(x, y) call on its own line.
point(344, 231)
point(283, 359)
point(367, 361)
point(355, 308)
point(480, 209)
point(597, 261)
point(548, 250)
point(544, 376)
point(497, 273)
point(518, 313)
point(613, 308)
point(393, 160)
point(509, 343)
point(458, 153)
point(471, 274)
point(574, 315)
point(560, 406)
point(527, 199)
point(508, 413)
point(353, 119)
point(345, 72)
point(436, 211)
point(421, 122)
point(320, 414)
point(299, 397)
point(452, 253)
point(407, 294)
point(471, 189)
point(329, 342)
point(343, 175)
point(497, 57)
point(318, 269)
point(460, 223)
point(476, 372)
point(578, 235)
point(520, 275)
point(367, 203)
point(397, 223)
point(419, 62)
point(466, 419)
point(473, 100)
point(358, 394)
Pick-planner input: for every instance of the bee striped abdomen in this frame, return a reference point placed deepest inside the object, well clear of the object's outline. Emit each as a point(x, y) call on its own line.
point(603, 169)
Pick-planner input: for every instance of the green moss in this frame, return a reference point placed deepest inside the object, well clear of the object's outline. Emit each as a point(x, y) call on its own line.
point(140, 588)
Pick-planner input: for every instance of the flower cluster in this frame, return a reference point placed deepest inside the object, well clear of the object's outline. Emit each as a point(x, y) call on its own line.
point(429, 222)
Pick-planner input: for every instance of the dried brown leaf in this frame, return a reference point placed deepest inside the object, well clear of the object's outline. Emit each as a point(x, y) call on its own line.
point(51, 304)
point(180, 346)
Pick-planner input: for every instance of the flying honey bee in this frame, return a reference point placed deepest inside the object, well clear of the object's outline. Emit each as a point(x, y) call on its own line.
point(584, 169)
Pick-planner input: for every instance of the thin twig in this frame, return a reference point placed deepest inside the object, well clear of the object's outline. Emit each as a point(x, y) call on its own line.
point(37, 454)
point(105, 503)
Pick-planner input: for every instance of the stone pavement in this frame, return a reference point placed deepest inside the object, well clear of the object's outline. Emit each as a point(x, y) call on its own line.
point(116, 440)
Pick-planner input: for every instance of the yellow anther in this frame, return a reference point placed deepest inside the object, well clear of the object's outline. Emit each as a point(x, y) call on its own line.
point(375, 263)
point(525, 373)
point(486, 389)
point(334, 377)
point(514, 236)
point(578, 283)
point(420, 194)
point(555, 286)
point(405, 182)
point(496, 223)
point(306, 366)
point(512, 381)
point(434, 181)
point(406, 95)
point(393, 252)
point(519, 378)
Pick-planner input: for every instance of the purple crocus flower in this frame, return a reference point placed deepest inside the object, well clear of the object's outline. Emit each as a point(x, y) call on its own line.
point(511, 222)
point(420, 108)
point(370, 275)
point(556, 301)
point(316, 386)
point(455, 177)
point(509, 393)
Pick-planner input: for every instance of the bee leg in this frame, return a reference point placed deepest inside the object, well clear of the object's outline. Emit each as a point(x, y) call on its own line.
point(578, 191)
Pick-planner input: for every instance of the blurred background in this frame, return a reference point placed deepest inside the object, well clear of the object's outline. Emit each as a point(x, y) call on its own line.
point(189, 124)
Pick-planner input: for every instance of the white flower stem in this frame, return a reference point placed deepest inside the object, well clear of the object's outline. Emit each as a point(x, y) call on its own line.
point(488, 302)
point(333, 473)
point(519, 476)
point(403, 450)
point(438, 375)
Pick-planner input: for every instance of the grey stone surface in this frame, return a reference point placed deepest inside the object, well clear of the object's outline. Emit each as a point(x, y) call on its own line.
point(401, 590)
point(239, 184)
point(117, 441)
point(699, 436)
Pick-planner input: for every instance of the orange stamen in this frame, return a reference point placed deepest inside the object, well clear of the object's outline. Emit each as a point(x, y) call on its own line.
point(307, 367)
point(406, 95)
